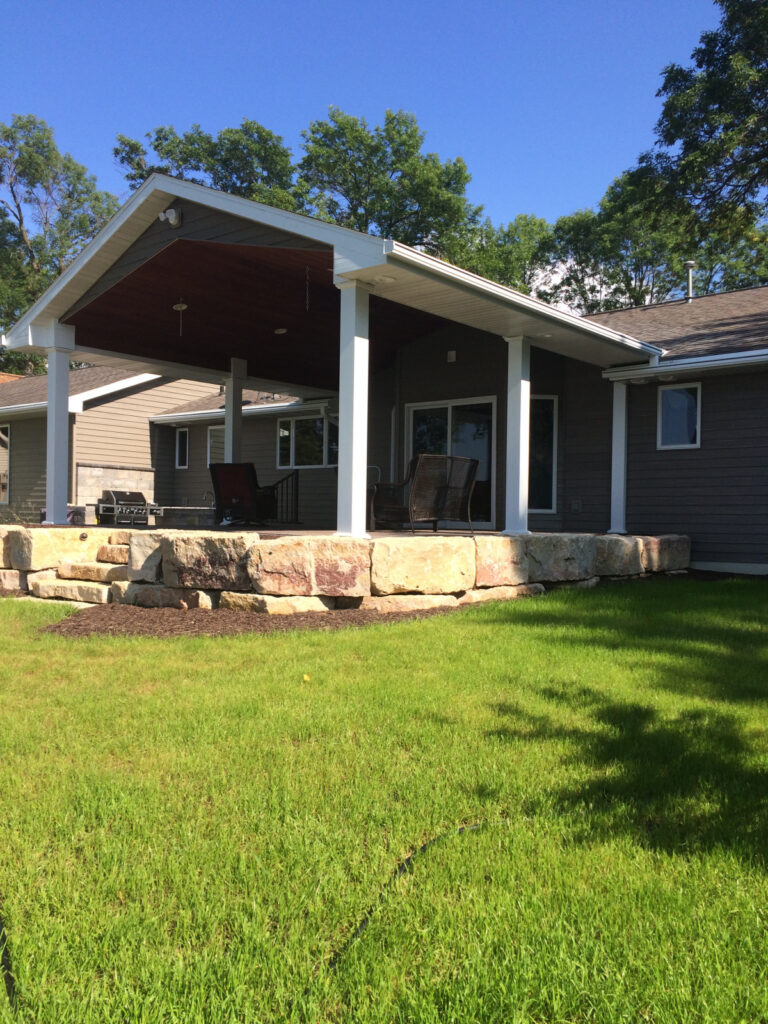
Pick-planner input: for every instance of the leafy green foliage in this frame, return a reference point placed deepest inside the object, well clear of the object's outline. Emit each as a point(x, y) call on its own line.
point(514, 255)
point(49, 208)
point(377, 180)
point(714, 121)
point(248, 161)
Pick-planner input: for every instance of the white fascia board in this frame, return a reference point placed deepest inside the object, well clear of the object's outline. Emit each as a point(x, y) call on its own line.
point(254, 410)
point(76, 402)
point(535, 307)
point(30, 407)
point(693, 364)
point(352, 249)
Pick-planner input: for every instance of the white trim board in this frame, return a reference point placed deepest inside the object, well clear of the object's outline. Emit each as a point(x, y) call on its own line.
point(745, 568)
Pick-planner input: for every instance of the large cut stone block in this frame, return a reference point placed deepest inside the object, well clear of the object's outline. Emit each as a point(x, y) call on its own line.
point(44, 547)
point(117, 554)
point(13, 579)
point(502, 593)
point(400, 602)
point(422, 565)
point(501, 561)
point(94, 572)
point(5, 551)
point(208, 560)
point(616, 555)
point(668, 552)
point(269, 604)
point(560, 556)
point(71, 590)
point(311, 566)
point(154, 595)
point(145, 556)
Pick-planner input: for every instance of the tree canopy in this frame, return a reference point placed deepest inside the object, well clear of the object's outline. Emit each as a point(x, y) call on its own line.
point(49, 208)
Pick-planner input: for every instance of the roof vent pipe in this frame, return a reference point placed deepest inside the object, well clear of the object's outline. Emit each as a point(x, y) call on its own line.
point(690, 266)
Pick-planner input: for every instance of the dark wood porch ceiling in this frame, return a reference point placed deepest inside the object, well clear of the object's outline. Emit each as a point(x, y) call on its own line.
point(237, 296)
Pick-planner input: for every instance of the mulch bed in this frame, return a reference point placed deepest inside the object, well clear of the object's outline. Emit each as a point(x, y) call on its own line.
point(127, 620)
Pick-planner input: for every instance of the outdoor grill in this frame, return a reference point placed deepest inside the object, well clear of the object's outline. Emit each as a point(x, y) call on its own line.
point(125, 508)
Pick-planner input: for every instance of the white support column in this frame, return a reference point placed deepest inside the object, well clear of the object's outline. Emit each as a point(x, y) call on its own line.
point(233, 411)
point(518, 434)
point(353, 411)
point(57, 425)
point(619, 460)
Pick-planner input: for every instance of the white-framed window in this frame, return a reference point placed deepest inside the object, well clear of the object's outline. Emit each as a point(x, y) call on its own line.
point(215, 444)
point(542, 455)
point(467, 427)
point(678, 420)
point(5, 463)
point(307, 442)
point(182, 448)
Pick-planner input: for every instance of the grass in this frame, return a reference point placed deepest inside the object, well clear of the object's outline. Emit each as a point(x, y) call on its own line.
point(192, 830)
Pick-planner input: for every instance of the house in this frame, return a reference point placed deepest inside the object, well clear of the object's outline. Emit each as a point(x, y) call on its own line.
point(110, 440)
point(385, 352)
point(696, 438)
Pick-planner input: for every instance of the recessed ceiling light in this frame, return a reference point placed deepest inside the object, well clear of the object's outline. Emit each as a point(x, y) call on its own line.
point(281, 330)
point(384, 279)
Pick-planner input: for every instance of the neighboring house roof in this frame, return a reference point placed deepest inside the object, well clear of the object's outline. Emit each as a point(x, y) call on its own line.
point(254, 402)
point(706, 326)
point(9, 376)
point(84, 384)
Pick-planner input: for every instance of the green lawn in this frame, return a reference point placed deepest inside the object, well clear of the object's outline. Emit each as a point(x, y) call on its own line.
point(192, 830)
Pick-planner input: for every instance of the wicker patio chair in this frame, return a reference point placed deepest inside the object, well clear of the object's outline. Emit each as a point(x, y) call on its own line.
point(238, 498)
point(436, 487)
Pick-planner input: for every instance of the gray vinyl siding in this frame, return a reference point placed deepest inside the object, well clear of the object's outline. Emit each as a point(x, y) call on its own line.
point(199, 223)
point(27, 469)
point(718, 493)
point(586, 429)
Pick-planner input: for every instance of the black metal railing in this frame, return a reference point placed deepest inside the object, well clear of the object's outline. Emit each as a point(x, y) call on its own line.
point(287, 494)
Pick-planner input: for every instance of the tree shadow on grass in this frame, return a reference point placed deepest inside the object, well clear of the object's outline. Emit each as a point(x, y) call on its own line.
point(678, 785)
point(706, 639)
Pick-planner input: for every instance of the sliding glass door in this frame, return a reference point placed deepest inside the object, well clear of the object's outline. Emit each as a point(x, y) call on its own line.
point(465, 428)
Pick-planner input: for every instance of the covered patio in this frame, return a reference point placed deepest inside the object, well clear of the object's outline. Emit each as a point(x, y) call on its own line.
point(187, 282)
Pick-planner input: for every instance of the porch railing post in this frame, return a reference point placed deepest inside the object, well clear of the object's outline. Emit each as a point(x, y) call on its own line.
point(518, 434)
point(619, 460)
point(57, 424)
point(233, 411)
point(353, 410)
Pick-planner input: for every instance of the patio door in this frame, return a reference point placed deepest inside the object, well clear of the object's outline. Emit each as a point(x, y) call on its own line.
point(467, 428)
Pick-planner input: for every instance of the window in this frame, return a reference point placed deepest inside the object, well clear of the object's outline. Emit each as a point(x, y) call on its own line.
point(679, 416)
point(464, 427)
point(5, 461)
point(307, 441)
point(542, 457)
point(215, 444)
point(182, 448)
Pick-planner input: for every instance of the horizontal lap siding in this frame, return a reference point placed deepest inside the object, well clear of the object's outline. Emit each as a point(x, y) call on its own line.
point(718, 493)
point(587, 429)
point(27, 470)
point(199, 223)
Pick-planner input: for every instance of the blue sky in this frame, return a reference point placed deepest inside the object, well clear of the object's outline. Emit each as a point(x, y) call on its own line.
point(546, 102)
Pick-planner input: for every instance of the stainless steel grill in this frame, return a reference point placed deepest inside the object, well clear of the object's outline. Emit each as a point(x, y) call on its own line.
point(125, 508)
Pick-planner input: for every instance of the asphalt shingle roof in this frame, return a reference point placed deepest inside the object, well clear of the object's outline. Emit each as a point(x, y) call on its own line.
point(708, 325)
point(30, 390)
point(215, 403)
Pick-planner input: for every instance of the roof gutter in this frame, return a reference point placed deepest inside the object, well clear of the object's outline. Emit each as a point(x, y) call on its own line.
point(535, 307)
point(200, 416)
point(697, 364)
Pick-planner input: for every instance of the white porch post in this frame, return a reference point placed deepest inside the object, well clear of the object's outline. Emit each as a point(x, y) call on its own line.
point(57, 425)
point(619, 460)
point(233, 411)
point(353, 411)
point(518, 434)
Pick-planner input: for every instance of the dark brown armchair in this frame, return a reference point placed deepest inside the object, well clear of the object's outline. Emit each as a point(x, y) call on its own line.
point(238, 498)
point(437, 487)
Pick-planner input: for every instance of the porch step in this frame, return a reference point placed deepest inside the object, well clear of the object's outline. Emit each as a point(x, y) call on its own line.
point(116, 554)
point(92, 572)
point(120, 537)
point(72, 590)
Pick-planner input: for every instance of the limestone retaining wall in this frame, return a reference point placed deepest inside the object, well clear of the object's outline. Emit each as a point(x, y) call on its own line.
point(208, 569)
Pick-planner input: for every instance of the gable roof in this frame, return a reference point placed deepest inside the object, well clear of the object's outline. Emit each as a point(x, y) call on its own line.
point(388, 269)
point(706, 326)
point(31, 393)
point(212, 407)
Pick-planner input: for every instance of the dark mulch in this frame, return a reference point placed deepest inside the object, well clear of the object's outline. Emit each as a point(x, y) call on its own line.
point(126, 620)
